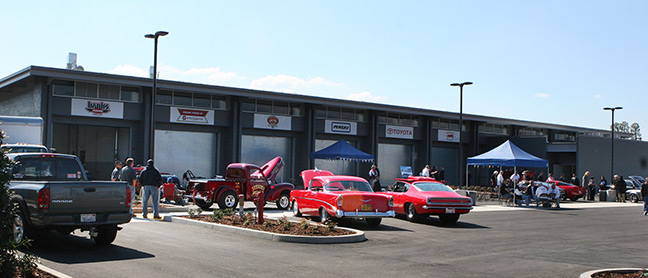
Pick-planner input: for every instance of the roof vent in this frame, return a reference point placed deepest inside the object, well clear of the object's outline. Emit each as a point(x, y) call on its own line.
point(72, 62)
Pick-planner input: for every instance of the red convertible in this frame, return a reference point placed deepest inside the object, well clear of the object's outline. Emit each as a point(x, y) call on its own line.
point(419, 197)
point(330, 196)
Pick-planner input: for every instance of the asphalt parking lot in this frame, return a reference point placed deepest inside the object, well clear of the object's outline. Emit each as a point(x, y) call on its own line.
point(491, 241)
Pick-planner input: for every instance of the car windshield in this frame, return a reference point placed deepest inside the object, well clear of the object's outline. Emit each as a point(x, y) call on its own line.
point(348, 186)
point(432, 186)
point(46, 168)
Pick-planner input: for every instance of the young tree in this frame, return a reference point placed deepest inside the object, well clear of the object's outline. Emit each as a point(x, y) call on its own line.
point(636, 131)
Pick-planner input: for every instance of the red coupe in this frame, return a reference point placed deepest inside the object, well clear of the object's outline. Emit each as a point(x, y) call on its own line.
point(420, 197)
point(330, 196)
point(572, 192)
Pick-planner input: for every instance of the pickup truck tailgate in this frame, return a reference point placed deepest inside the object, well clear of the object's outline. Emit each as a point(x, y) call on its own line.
point(87, 197)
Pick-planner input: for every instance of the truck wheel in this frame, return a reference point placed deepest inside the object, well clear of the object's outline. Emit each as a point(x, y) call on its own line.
point(295, 209)
point(202, 204)
point(229, 199)
point(449, 218)
point(373, 222)
point(284, 201)
point(21, 228)
point(106, 235)
point(412, 215)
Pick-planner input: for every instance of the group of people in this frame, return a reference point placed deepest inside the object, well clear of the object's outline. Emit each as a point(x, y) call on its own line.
point(437, 174)
point(150, 179)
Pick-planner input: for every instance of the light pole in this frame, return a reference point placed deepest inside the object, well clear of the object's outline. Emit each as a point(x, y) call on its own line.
point(154, 92)
point(460, 163)
point(612, 140)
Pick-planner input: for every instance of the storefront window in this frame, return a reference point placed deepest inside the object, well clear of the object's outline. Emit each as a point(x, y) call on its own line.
point(108, 91)
point(84, 89)
point(164, 97)
point(264, 106)
point(63, 88)
point(220, 102)
point(182, 98)
point(201, 100)
point(130, 94)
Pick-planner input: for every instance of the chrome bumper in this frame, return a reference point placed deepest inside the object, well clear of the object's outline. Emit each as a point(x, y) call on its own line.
point(445, 207)
point(362, 214)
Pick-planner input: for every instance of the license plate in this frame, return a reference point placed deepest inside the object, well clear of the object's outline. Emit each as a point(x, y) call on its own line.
point(450, 210)
point(365, 207)
point(87, 218)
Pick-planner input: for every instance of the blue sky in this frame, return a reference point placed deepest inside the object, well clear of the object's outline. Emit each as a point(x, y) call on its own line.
point(547, 61)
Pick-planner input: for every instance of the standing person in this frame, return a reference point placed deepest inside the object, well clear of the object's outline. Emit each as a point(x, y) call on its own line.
point(550, 178)
point(151, 180)
point(426, 171)
point(591, 189)
point(116, 173)
point(585, 182)
point(500, 179)
point(374, 178)
point(644, 195)
point(620, 186)
point(603, 185)
point(442, 174)
point(435, 173)
point(540, 176)
point(493, 179)
point(574, 180)
point(129, 175)
point(562, 178)
point(515, 178)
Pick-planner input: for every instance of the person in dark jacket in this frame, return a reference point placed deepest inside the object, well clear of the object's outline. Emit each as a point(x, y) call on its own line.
point(574, 180)
point(644, 195)
point(151, 180)
point(129, 175)
point(620, 186)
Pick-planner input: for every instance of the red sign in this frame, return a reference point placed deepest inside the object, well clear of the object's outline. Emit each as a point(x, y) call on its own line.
point(273, 121)
point(192, 116)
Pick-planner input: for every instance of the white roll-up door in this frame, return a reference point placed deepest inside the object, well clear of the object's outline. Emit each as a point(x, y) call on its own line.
point(179, 151)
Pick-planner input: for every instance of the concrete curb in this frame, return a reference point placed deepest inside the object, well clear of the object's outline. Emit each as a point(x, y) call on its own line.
point(589, 274)
point(164, 209)
point(52, 271)
point(358, 235)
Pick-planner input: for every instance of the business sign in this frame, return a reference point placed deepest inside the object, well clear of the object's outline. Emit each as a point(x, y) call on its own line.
point(272, 122)
point(401, 132)
point(449, 136)
point(406, 171)
point(340, 127)
point(191, 116)
point(97, 108)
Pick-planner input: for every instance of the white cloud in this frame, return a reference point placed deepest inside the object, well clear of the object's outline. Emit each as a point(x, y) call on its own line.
point(288, 83)
point(129, 70)
point(597, 96)
point(542, 95)
point(208, 75)
point(365, 96)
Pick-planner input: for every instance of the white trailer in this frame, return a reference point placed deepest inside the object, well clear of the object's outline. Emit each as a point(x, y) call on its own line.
point(23, 130)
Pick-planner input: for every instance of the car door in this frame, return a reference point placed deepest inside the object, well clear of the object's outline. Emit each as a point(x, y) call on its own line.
point(311, 203)
point(398, 192)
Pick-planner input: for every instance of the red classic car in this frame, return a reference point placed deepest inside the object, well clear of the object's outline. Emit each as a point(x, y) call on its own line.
point(420, 197)
point(329, 196)
point(572, 192)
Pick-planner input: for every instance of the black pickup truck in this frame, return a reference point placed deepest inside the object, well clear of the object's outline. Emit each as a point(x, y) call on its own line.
point(52, 192)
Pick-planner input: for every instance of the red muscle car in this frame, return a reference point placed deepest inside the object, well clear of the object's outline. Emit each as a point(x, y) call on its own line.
point(329, 196)
point(572, 192)
point(420, 197)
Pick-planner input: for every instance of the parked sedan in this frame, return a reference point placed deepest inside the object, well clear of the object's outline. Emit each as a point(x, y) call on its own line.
point(571, 191)
point(419, 197)
point(329, 196)
point(633, 191)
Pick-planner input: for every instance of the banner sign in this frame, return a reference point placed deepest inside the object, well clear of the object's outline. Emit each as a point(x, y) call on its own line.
point(340, 127)
point(272, 122)
point(97, 108)
point(401, 132)
point(191, 116)
point(449, 136)
point(406, 171)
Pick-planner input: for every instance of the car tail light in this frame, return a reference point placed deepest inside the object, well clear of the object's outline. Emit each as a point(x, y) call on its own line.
point(129, 195)
point(44, 198)
point(391, 201)
point(340, 201)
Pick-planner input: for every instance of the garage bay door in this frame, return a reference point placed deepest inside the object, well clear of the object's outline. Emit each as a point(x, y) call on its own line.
point(179, 151)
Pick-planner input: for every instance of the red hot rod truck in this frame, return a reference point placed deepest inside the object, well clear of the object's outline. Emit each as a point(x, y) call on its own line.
point(240, 178)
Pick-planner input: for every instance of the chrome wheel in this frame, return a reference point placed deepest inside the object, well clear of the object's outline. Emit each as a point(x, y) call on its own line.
point(324, 216)
point(296, 209)
point(283, 202)
point(230, 200)
point(18, 228)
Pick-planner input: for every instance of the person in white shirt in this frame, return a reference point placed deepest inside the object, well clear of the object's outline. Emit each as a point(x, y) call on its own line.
point(500, 179)
point(426, 171)
point(515, 178)
point(552, 193)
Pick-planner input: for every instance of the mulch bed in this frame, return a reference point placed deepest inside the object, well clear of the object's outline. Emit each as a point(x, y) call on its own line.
point(276, 226)
point(620, 274)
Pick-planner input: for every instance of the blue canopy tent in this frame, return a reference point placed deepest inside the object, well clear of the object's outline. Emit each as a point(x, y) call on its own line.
point(509, 155)
point(341, 150)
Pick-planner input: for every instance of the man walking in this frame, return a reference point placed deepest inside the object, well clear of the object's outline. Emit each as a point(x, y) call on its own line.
point(620, 186)
point(644, 195)
point(151, 180)
point(116, 173)
point(129, 175)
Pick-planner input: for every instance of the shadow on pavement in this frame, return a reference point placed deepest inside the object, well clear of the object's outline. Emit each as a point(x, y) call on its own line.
point(434, 221)
point(71, 249)
point(361, 225)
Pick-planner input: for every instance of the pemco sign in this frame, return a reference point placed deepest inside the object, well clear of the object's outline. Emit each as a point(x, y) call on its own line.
point(97, 108)
point(191, 116)
point(341, 127)
point(401, 132)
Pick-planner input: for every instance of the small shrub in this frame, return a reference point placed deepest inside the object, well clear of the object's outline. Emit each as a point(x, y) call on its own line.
point(248, 219)
point(194, 213)
point(268, 224)
point(217, 216)
point(330, 225)
point(228, 212)
point(304, 224)
point(285, 223)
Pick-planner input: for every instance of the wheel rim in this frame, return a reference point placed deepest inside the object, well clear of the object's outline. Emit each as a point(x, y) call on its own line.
point(295, 209)
point(230, 201)
point(324, 215)
point(283, 201)
point(410, 211)
point(19, 229)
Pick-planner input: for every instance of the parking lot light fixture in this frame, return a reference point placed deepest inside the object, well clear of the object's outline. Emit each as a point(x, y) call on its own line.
point(612, 141)
point(460, 162)
point(154, 92)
